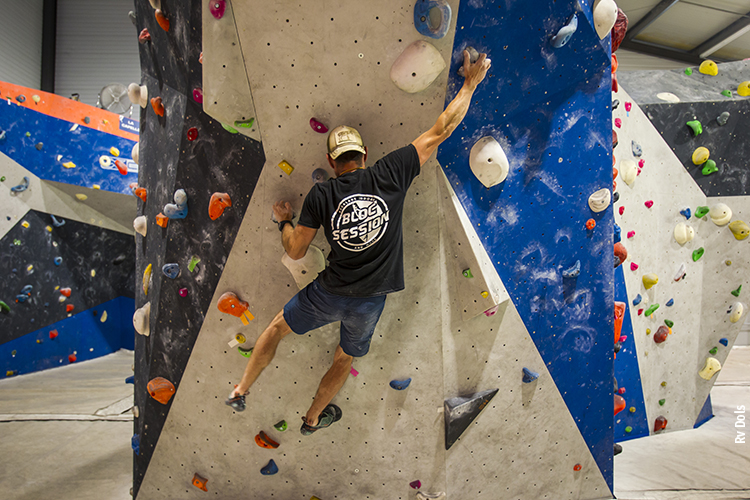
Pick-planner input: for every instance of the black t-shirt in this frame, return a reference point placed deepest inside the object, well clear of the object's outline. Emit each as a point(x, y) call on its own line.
point(360, 212)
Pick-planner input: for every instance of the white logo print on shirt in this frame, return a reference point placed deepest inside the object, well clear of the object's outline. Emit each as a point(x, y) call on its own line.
point(359, 221)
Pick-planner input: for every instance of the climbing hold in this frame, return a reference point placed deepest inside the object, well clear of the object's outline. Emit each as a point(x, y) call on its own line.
point(696, 127)
point(104, 317)
point(615, 142)
point(86, 120)
point(529, 376)
point(105, 161)
point(53, 334)
point(622, 211)
point(146, 282)
point(134, 153)
point(566, 32)
point(200, 482)
point(670, 303)
point(723, 118)
point(69, 164)
point(636, 148)
point(669, 323)
point(649, 204)
point(65, 292)
point(637, 299)
point(720, 214)
point(628, 430)
point(69, 308)
point(618, 122)
point(620, 308)
point(4, 307)
point(633, 266)
point(421, 495)
point(488, 162)
point(736, 293)
point(461, 411)
point(739, 229)
point(417, 67)
point(416, 484)
point(661, 334)
point(58, 261)
point(650, 280)
point(142, 321)
point(72, 358)
point(121, 167)
point(141, 193)
point(194, 260)
point(709, 167)
point(681, 272)
point(713, 350)
point(229, 303)
point(708, 67)
point(590, 224)
point(183, 292)
point(605, 16)
point(144, 36)
point(425, 22)
point(664, 383)
point(25, 224)
point(651, 309)
point(400, 385)
point(162, 220)
point(245, 352)
point(230, 129)
point(162, 20)
point(619, 404)
point(219, 201)
point(198, 95)
point(688, 71)
point(37, 99)
point(317, 126)
point(628, 171)
point(573, 271)
point(724, 342)
point(271, 468)
point(140, 224)
point(192, 134)
point(662, 401)
point(619, 30)
point(114, 151)
point(264, 441)
point(631, 409)
point(57, 222)
point(701, 211)
point(160, 389)
point(683, 233)
point(178, 209)
point(631, 234)
point(621, 254)
point(697, 254)
point(618, 233)
point(628, 107)
point(710, 368)
point(21, 187)
point(157, 105)
point(286, 167)
point(700, 155)
point(280, 426)
point(135, 443)
point(171, 271)
point(599, 201)
point(217, 8)
point(21, 98)
point(736, 311)
point(39, 146)
point(467, 273)
point(744, 89)
point(726, 93)
point(319, 175)
point(138, 94)
point(485, 294)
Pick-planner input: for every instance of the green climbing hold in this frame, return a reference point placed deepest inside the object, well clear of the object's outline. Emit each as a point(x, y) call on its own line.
point(726, 93)
point(669, 323)
point(2, 179)
point(245, 352)
point(714, 350)
point(662, 401)
point(736, 293)
point(193, 262)
point(701, 211)
point(696, 127)
point(17, 243)
point(245, 123)
point(651, 309)
point(230, 129)
point(697, 254)
point(628, 429)
point(28, 134)
point(709, 167)
point(4, 307)
point(688, 71)
point(467, 273)
point(281, 426)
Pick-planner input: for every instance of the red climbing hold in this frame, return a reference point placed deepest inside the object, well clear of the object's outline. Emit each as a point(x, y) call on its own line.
point(633, 266)
point(141, 193)
point(161, 389)
point(577, 467)
point(217, 7)
point(219, 201)
point(192, 134)
point(69, 307)
point(619, 315)
point(198, 95)
point(162, 20)
point(317, 126)
point(622, 210)
point(621, 253)
point(121, 167)
point(660, 423)
point(619, 404)
point(615, 86)
point(590, 224)
point(416, 484)
point(72, 358)
point(145, 36)
point(661, 334)
point(65, 291)
point(649, 204)
point(200, 482)
point(264, 441)
point(158, 106)
point(53, 334)
point(619, 30)
point(621, 390)
point(183, 292)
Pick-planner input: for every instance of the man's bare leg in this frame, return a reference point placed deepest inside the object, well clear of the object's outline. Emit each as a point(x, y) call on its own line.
point(263, 352)
point(332, 382)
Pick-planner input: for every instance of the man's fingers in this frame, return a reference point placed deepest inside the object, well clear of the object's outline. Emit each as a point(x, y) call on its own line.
point(481, 59)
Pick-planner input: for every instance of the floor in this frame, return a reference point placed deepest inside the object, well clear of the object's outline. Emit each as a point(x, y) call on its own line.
point(66, 435)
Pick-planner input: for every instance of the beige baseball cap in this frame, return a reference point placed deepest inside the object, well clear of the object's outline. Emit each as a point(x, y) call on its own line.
point(343, 139)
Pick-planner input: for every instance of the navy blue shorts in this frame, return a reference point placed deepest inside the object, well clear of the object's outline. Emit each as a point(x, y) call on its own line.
point(314, 307)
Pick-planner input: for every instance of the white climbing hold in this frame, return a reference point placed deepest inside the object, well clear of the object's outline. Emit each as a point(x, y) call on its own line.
point(105, 161)
point(306, 269)
point(683, 233)
point(156, 4)
point(138, 94)
point(140, 224)
point(668, 97)
point(488, 161)
point(681, 272)
point(720, 214)
point(141, 320)
point(136, 152)
point(605, 16)
point(736, 311)
point(599, 201)
point(628, 171)
point(417, 67)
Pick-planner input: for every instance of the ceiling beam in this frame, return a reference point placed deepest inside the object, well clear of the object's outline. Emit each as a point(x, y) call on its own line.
point(723, 37)
point(649, 18)
point(653, 49)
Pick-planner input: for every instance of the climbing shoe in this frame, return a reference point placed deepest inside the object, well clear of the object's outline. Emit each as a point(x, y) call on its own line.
point(329, 415)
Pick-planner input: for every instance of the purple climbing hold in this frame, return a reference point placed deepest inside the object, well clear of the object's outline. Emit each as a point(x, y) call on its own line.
point(217, 8)
point(317, 126)
point(416, 484)
point(198, 95)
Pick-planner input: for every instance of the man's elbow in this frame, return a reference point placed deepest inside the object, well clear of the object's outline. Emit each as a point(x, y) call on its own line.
point(297, 253)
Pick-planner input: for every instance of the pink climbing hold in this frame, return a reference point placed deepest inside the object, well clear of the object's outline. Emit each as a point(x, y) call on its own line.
point(416, 484)
point(183, 292)
point(628, 106)
point(631, 234)
point(198, 95)
point(618, 123)
point(491, 311)
point(354, 372)
point(633, 266)
point(217, 8)
point(623, 338)
point(317, 126)
point(649, 204)
point(622, 210)
point(641, 163)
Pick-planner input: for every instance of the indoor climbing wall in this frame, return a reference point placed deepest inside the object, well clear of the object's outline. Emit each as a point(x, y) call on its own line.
point(680, 211)
point(68, 254)
point(493, 303)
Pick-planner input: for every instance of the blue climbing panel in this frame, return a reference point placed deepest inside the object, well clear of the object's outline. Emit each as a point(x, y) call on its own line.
point(550, 109)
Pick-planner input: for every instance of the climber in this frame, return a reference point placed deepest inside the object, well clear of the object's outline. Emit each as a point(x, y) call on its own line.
point(360, 211)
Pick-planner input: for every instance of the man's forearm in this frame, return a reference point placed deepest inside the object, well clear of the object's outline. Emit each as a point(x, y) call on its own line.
point(286, 237)
point(456, 111)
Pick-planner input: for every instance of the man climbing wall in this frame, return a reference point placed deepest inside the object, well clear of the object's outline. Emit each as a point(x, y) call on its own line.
point(360, 211)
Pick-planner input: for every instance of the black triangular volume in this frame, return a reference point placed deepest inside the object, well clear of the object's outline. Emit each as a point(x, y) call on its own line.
point(461, 411)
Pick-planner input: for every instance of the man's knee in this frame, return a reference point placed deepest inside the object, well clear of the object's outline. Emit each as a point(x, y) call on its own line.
point(342, 358)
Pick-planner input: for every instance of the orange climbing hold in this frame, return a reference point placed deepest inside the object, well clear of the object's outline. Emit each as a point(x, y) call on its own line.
point(162, 220)
point(161, 389)
point(590, 224)
point(219, 201)
point(72, 358)
point(619, 315)
point(158, 105)
point(229, 303)
point(121, 167)
point(53, 334)
point(619, 404)
point(200, 482)
point(660, 423)
point(621, 253)
point(264, 441)
point(615, 64)
point(162, 20)
point(141, 193)
point(69, 307)
point(65, 291)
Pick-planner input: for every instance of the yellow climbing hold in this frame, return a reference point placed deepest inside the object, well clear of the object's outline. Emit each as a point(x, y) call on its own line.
point(739, 229)
point(96, 186)
point(711, 368)
point(25, 224)
point(69, 164)
point(286, 167)
point(708, 67)
point(700, 155)
point(30, 267)
point(147, 279)
point(104, 317)
point(82, 197)
point(744, 89)
point(648, 331)
point(485, 295)
point(49, 229)
point(36, 98)
point(114, 151)
point(650, 280)
point(93, 273)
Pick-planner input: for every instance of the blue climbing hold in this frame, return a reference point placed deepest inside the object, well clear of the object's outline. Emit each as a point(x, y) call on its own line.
point(566, 32)
point(618, 234)
point(130, 380)
point(400, 385)
point(21, 187)
point(21, 298)
point(178, 209)
point(171, 270)
point(27, 289)
point(58, 261)
point(637, 299)
point(21, 98)
point(574, 271)
point(529, 376)
point(57, 222)
point(46, 304)
point(422, 19)
point(724, 342)
point(135, 443)
point(670, 302)
point(270, 469)
point(686, 212)
point(637, 149)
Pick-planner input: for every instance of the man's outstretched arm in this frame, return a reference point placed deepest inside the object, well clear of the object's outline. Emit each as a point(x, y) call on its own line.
point(449, 119)
point(295, 241)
